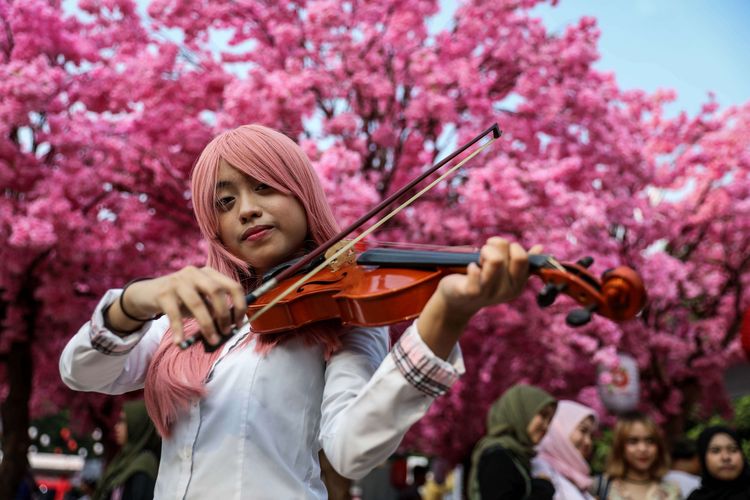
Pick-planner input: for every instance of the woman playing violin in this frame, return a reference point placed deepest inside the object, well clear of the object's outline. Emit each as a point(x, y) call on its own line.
point(249, 418)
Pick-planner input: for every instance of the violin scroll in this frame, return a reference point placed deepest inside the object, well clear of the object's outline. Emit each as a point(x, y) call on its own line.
point(619, 294)
point(624, 292)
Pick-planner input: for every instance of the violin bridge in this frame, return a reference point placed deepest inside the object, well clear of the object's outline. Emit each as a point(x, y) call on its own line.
point(347, 258)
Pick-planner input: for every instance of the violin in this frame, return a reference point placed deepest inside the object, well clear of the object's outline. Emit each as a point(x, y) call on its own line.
point(383, 286)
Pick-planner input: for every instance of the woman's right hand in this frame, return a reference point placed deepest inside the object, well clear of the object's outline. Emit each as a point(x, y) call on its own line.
point(200, 293)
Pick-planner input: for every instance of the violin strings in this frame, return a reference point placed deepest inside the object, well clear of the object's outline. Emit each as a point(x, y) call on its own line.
point(365, 233)
point(423, 246)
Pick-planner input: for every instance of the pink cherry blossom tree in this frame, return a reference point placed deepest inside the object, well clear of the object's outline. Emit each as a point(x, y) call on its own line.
point(97, 140)
point(105, 108)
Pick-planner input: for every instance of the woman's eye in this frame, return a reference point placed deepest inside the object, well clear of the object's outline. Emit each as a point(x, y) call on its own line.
point(224, 202)
point(262, 187)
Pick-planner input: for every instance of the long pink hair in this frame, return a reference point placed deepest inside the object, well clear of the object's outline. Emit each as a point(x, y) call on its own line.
point(273, 159)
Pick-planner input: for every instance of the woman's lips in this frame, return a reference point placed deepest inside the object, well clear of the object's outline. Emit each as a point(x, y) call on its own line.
point(256, 233)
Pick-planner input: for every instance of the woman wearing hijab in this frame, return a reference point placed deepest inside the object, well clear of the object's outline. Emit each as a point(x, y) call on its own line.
point(563, 453)
point(501, 462)
point(726, 475)
point(132, 473)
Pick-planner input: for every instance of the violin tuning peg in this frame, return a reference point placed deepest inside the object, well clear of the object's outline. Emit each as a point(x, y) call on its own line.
point(547, 295)
point(585, 261)
point(579, 317)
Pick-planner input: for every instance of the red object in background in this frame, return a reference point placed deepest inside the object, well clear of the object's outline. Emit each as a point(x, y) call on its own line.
point(58, 486)
point(399, 471)
point(745, 333)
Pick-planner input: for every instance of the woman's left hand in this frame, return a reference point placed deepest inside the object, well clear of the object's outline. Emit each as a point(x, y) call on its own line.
point(500, 277)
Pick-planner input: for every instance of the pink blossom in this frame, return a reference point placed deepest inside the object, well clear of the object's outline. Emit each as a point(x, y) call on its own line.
point(32, 233)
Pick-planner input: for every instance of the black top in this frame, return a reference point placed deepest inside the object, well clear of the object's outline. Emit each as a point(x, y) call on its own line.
point(713, 488)
point(737, 495)
point(140, 486)
point(500, 478)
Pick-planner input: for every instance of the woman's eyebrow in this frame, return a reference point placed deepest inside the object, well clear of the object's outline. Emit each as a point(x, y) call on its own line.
point(223, 183)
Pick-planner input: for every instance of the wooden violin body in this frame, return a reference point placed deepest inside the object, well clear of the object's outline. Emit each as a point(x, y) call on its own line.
point(386, 286)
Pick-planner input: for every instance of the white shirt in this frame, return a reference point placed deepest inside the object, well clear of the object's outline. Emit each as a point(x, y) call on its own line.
point(684, 480)
point(258, 430)
point(565, 489)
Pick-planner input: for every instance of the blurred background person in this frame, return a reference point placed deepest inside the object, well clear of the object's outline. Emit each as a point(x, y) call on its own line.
point(725, 470)
point(440, 482)
point(562, 456)
point(85, 482)
point(131, 475)
point(501, 461)
point(685, 470)
point(637, 463)
point(413, 491)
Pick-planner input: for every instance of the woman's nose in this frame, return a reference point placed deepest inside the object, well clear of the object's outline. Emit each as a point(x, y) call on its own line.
point(249, 208)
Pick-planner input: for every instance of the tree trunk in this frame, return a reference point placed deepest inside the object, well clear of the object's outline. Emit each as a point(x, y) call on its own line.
point(19, 372)
point(15, 419)
point(676, 426)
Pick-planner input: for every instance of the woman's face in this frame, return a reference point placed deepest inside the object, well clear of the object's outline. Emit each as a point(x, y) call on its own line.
point(640, 448)
point(121, 430)
point(538, 426)
point(258, 224)
point(724, 458)
point(581, 437)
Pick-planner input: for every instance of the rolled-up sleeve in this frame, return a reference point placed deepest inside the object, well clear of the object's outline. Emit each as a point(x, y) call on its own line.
point(372, 397)
point(425, 371)
point(96, 359)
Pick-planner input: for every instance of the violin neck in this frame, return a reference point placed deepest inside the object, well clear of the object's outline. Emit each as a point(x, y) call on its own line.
point(426, 259)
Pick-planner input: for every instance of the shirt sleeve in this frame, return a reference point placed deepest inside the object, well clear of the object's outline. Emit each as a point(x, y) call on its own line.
point(371, 398)
point(96, 359)
point(421, 368)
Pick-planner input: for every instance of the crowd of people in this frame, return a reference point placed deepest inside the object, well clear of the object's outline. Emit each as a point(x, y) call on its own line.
point(538, 448)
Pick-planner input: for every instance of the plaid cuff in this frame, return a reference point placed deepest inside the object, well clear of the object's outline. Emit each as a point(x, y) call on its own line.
point(104, 340)
point(425, 371)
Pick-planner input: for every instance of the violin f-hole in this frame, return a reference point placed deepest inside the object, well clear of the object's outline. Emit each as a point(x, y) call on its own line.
point(322, 282)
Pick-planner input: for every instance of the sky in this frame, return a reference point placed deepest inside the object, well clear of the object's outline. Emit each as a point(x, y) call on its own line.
point(691, 46)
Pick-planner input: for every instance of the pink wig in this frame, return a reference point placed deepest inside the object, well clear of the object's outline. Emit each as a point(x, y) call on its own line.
point(273, 159)
point(557, 449)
